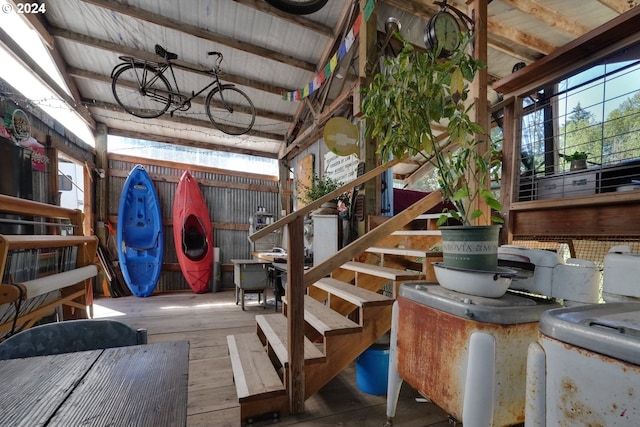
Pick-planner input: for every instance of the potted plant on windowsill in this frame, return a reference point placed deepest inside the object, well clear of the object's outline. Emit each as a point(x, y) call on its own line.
point(577, 160)
point(415, 91)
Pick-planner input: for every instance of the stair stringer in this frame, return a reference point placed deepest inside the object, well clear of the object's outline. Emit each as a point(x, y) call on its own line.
point(341, 350)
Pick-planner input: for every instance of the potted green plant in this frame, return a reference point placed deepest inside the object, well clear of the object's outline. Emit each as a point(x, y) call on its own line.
point(414, 91)
point(320, 187)
point(577, 160)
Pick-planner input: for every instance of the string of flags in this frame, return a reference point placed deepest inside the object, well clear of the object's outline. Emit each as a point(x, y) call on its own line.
point(332, 64)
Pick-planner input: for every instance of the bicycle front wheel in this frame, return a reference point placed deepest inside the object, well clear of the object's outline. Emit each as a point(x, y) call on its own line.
point(230, 110)
point(141, 90)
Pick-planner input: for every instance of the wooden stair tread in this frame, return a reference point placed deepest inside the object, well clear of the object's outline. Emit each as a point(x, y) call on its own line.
point(325, 320)
point(274, 327)
point(254, 375)
point(417, 233)
point(430, 216)
point(385, 272)
point(398, 251)
point(355, 295)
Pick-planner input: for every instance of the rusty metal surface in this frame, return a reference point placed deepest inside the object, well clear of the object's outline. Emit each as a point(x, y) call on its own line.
point(433, 356)
point(585, 388)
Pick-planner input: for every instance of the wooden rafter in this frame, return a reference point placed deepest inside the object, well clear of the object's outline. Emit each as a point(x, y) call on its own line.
point(418, 8)
point(44, 77)
point(90, 75)
point(154, 18)
point(519, 37)
point(549, 16)
point(619, 6)
point(151, 56)
point(186, 121)
point(35, 22)
point(517, 52)
point(331, 46)
point(300, 20)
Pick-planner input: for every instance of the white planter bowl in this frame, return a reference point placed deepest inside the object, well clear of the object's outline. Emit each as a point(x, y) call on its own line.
point(491, 284)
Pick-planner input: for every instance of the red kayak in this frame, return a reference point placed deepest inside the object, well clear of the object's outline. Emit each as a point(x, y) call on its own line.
point(192, 234)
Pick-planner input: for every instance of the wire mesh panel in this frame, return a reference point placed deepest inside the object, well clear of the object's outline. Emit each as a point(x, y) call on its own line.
point(579, 136)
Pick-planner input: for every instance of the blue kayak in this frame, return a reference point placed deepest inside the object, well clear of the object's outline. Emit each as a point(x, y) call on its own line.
point(140, 241)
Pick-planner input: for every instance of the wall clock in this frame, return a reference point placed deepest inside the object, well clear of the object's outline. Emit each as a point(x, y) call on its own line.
point(442, 29)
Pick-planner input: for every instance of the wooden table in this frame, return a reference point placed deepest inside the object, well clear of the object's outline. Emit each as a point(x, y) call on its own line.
point(142, 385)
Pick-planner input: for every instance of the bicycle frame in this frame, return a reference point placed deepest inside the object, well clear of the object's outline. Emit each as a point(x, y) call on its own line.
point(174, 93)
point(169, 65)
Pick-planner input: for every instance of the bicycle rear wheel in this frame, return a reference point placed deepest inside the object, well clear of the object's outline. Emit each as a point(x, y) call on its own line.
point(141, 90)
point(231, 111)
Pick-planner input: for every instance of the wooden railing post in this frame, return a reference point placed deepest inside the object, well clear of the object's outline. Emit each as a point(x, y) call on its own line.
point(295, 315)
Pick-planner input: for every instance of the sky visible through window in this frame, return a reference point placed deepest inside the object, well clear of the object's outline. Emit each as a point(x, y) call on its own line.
point(190, 155)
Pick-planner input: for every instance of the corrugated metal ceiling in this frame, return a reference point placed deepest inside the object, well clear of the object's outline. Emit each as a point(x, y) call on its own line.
point(267, 51)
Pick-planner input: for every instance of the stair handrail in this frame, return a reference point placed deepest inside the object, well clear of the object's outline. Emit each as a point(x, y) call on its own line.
point(359, 245)
point(318, 202)
point(296, 274)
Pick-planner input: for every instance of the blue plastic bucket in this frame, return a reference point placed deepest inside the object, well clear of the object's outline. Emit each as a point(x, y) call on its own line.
point(372, 370)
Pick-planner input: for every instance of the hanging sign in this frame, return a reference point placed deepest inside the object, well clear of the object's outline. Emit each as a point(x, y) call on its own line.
point(341, 137)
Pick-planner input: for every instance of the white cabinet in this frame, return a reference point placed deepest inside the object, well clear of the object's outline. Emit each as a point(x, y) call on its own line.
point(568, 185)
point(327, 237)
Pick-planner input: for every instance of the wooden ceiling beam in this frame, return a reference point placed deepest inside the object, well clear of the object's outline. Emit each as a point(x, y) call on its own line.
point(514, 35)
point(44, 77)
point(90, 75)
point(299, 20)
point(204, 124)
point(549, 16)
point(341, 27)
point(146, 136)
point(35, 21)
point(519, 54)
point(183, 27)
point(619, 6)
point(151, 56)
point(420, 9)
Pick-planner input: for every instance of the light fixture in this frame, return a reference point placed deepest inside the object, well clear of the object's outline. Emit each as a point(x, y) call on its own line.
point(392, 25)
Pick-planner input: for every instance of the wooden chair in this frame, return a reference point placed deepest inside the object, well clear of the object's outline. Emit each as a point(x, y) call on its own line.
point(70, 336)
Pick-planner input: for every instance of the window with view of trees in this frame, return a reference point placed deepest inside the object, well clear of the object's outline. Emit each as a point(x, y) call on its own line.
point(592, 116)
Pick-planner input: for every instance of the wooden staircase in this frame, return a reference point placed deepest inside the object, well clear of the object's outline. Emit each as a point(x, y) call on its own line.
point(331, 314)
point(341, 321)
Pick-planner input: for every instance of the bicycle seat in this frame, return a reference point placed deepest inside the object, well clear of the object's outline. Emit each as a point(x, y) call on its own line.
point(165, 53)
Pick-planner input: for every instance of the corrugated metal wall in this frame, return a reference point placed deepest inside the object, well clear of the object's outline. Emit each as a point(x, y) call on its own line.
point(231, 199)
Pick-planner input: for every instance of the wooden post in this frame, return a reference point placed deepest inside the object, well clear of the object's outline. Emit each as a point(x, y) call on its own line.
point(510, 168)
point(295, 315)
point(478, 93)
point(366, 66)
point(101, 186)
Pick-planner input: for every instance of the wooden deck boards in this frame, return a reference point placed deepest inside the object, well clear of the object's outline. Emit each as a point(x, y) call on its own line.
point(206, 320)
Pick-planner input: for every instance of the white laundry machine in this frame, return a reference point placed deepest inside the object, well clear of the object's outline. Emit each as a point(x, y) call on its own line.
point(468, 354)
point(584, 369)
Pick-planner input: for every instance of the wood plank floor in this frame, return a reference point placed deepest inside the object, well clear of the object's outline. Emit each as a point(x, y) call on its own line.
point(205, 320)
